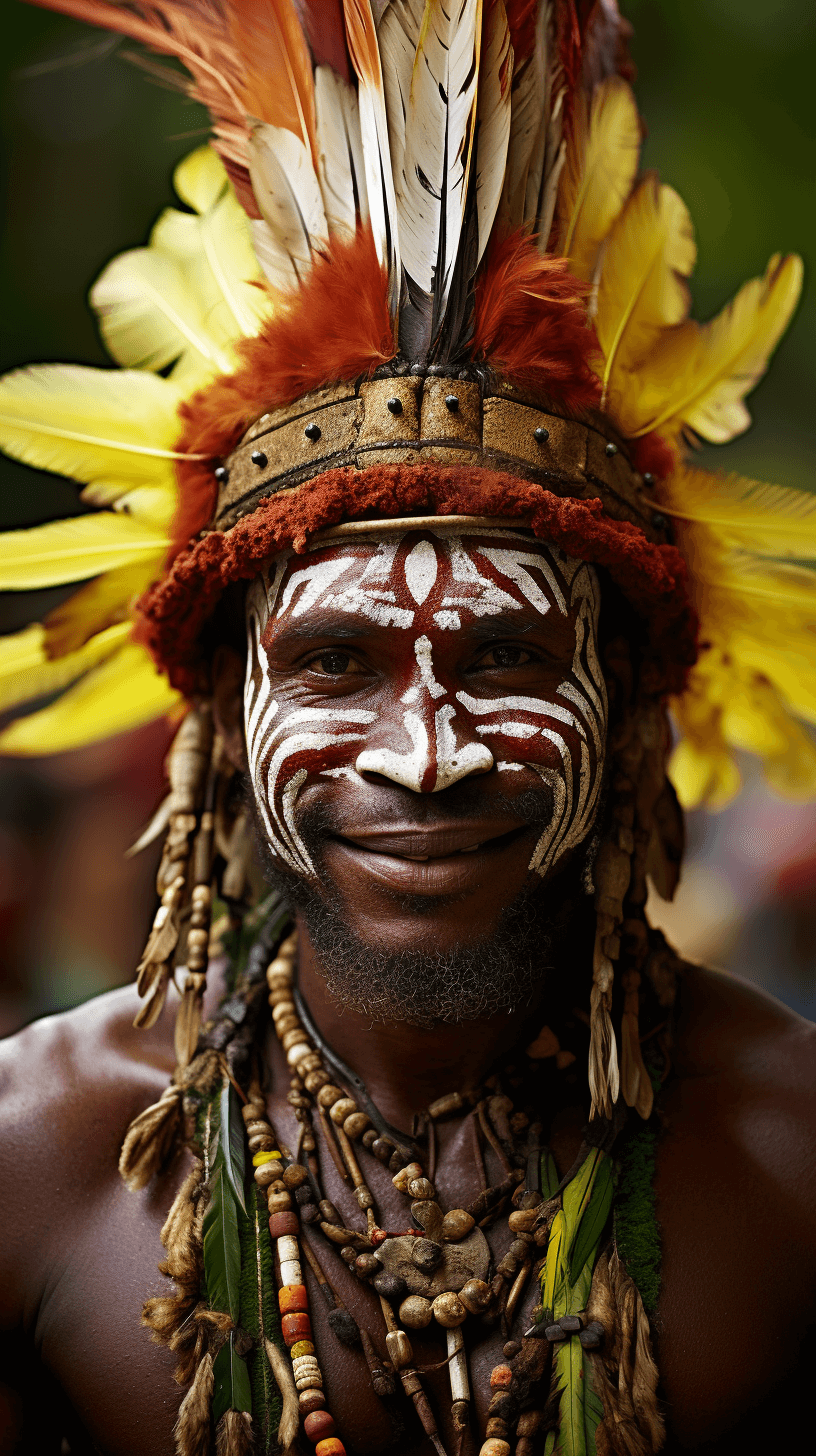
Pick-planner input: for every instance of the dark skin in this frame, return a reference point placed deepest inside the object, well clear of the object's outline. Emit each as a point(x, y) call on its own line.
point(735, 1191)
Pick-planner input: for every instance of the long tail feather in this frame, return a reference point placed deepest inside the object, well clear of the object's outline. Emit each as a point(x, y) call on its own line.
point(382, 204)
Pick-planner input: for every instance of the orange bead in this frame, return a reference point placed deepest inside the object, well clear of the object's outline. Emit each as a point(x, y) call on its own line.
point(319, 1425)
point(292, 1299)
point(331, 1447)
point(295, 1327)
point(501, 1377)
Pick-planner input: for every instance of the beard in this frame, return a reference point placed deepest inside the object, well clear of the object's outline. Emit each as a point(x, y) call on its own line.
point(503, 972)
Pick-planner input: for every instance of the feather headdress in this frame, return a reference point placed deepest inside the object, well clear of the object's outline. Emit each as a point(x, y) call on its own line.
point(476, 169)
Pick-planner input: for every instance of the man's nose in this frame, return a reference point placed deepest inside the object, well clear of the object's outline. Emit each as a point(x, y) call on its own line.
point(441, 752)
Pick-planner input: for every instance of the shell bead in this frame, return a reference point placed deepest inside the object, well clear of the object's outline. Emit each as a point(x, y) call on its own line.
point(355, 1124)
point(342, 1109)
point(475, 1296)
point(291, 1273)
point(456, 1224)
point(415, 1312)
point(288, 1247)
point(399, 1349)
point(328, 1095)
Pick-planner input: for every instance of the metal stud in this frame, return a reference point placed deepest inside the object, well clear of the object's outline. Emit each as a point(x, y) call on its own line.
point(452, 402)
point(648, 478)
point(611, 448)
point(259, 459)
point(394, 405)
point(222, 475)
point(313, 431)
point(541, 435)
point(658, 521)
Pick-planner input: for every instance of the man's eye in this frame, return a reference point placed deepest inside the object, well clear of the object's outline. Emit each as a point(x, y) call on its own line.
point(505, 657)
point(333, 664)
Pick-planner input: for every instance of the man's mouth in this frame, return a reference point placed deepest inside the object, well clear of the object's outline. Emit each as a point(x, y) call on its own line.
point(431, 861)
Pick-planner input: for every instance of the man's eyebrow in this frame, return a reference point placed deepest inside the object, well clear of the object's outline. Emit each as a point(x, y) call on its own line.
point(310, 629)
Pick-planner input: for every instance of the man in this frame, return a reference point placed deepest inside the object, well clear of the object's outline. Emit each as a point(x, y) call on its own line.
point(428, 618)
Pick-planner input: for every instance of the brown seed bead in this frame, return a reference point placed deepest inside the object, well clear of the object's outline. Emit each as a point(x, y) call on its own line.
point(308, 1142)
point(406, 1175)
point(282, 1009)
point(267, 1173)
point(262, 1143)
point(518, 1249)
point(295, 1175)
point(366, 1265)
point(508, 1265)
point(328, 1212)
point(390, 1286)
point(370, 1137)
point(287, 1023)
point(258, 1124)
point(415, 1312)
point(511, 1349)
point(501, 1404)
point(280, 993)
point(348, 1255)
point(329, 1095)
point(456, 1224)
point(475, 1296)
point(497, 1429)
point(382, 1148)
point(448, 1310)
point(364, 1196)
point(310, 1400)
point(311, 1063)
point(355, 1125)
point(316, 1079)
point(425, 1255)
point(494, 1447)
point(296, 1099)
point(253, 1112)
point(342, 1109)
point(521, 1221)
point(529, 1423)
point(279, 1202)
point(399, 1349)
point(292, 1038)
point(421, 1188)
point(396, 1161)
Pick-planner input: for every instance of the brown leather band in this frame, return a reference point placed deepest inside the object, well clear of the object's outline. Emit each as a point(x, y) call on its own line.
point(410, 420)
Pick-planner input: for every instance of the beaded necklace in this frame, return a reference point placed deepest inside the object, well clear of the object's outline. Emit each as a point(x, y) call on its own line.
point(438, 1269)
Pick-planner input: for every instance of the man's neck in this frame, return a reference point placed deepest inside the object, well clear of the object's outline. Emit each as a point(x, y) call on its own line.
point(406, 1067)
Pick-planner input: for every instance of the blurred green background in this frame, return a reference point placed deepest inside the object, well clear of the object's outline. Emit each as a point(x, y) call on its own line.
point(89, 145)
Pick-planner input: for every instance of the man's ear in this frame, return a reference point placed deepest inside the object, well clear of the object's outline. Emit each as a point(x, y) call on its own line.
point(228, 670)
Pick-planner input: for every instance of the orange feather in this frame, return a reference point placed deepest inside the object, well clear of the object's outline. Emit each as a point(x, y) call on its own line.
point(277, 83)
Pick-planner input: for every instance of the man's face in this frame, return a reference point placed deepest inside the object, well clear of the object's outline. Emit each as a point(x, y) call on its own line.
point(425, 722)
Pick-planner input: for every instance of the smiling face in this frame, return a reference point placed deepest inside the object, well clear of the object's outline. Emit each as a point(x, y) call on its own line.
point(425, 723)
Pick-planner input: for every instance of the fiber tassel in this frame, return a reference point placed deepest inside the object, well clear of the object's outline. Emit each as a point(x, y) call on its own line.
point(149, 1139)
point(179, 1226)
point(281, 1367)
point(635, 1081)
point(234, 1434)
point(625, 1372)
point(192, 1430)
point(612, 873)
point(153, 971)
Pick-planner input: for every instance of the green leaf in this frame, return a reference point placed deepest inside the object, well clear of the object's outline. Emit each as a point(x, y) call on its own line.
point(580, 1409)
point(231, 1390)
point(222, 1252)
point(593, 1218)
point(231, 1147)
point(549, 1174)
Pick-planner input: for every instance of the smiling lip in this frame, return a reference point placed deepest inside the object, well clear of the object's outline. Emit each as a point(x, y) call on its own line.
point(431, 862)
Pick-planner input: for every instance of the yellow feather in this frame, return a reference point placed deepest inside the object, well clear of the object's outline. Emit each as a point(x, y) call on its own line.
point(600, 167)
point(650, 253)
point(771, 519)
point(200, 179)
point(697, 375)
point(95, 606)
point(122, 693)
point(27, 672)
point(151, 316)
point(103, 427)
point(82, 546)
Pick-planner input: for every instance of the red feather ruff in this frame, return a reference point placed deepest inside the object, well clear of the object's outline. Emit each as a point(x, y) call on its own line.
point(531, 325)
point(335, 328)
point(653, 578)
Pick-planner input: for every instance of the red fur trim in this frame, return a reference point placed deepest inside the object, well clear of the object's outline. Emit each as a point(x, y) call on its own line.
point(531, 324)
point(336, 327)
point(653, 578)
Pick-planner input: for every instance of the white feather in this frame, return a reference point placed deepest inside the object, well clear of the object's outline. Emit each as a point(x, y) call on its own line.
point(492, 117)
point(527, 128)
point(382, 205)
point(439, 145)
point(398, 38)
point(341, 169)
point(288, 194)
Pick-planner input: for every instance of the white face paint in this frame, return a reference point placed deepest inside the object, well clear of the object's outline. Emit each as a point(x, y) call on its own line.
point(418, 592)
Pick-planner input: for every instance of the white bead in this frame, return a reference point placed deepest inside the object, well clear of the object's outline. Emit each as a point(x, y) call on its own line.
point(311, 1381)
point(302, 1363)
point(291, 1272)
point(288, 1248)
point(296, 1053)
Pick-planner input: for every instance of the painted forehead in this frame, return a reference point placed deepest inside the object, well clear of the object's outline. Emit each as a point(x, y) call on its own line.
point(430, 575)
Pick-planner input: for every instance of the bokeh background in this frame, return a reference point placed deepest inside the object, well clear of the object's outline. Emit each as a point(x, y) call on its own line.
point(89, 144)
